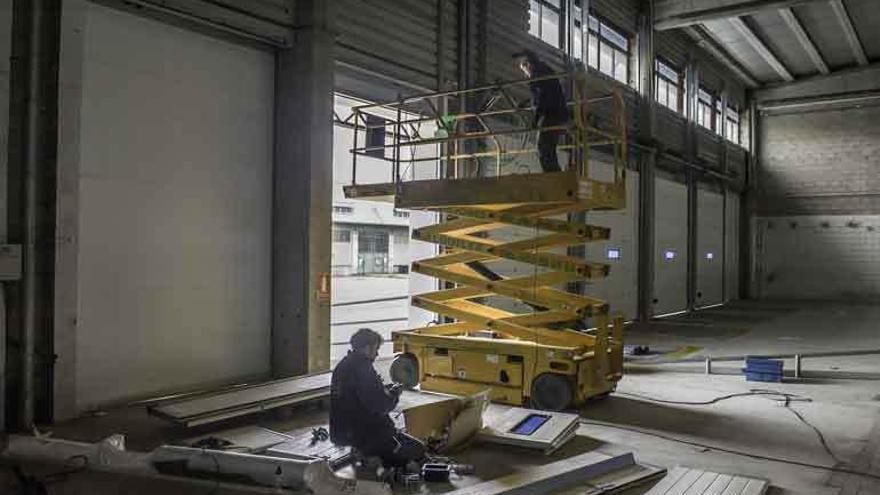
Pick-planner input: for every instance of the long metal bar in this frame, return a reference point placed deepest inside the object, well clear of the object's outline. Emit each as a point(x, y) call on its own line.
point(499, 85)
point(354, 144)
point(482, 135)
point(787, 355)
point(491, 113)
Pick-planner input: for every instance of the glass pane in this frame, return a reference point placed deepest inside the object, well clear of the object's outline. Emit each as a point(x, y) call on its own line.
point(550, 27)
point(593, 47)
point(673, 97)
point(616, 38)
point(705, 96)
point(594, 24)
point(620, 66)
point(578, 48)
point(606, 59)
point(535, 19)
point(554, 3)
point(667, 72)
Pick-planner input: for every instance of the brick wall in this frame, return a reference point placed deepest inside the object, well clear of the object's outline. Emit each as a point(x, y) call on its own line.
point(818, 231)
point(819, 257)
point(821, 163)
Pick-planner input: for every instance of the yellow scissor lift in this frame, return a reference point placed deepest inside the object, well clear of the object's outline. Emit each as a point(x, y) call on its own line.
point(532, 357)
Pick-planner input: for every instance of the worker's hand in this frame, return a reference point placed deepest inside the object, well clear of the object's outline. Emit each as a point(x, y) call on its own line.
point(395, 389)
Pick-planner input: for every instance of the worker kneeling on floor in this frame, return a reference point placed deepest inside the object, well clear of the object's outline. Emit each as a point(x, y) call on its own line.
point(360, 405)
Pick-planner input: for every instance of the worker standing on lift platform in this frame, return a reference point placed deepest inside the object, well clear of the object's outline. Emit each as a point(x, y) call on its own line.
point(360, 405)
point(551, 108)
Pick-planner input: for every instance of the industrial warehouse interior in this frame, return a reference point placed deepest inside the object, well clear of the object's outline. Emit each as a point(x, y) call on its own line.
point(470, 247)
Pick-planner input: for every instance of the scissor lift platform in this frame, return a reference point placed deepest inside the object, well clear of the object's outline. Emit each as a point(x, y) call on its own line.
point(541, 356)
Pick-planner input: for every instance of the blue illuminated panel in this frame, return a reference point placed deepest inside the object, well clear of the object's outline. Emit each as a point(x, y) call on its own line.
point(614, 254)
point(530, 424)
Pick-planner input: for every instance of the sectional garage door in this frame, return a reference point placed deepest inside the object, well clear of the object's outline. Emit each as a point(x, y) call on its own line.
point(175, 140)
point(670, 247)
point(710, 248)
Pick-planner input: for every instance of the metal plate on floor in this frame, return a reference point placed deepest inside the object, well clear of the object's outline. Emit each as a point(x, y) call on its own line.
point(689, 481)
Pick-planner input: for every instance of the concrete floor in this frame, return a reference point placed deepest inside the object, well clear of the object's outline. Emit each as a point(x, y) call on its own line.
point(846, 411)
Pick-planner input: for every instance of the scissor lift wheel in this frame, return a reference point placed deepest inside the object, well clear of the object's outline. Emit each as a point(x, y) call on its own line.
point(405, 370)
point(551, 392)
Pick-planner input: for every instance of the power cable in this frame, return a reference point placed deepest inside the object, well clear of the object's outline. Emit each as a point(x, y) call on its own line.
point(730, 451)
point(785, 398)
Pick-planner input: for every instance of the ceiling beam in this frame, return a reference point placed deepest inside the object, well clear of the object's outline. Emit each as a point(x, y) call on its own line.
point(705, 41)
point(761, 48)
point(862, 79)
point(795, 25)
point(852, 37)
point(673, 14)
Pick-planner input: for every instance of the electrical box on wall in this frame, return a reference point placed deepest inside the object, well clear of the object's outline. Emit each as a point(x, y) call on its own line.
point(10, 262)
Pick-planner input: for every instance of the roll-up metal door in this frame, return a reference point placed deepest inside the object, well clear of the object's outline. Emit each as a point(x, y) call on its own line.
point(399, 40)
point(670, 247)
point(175, 200)
point(710, 248)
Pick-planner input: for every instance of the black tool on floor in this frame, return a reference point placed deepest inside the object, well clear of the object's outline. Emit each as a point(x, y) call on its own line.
point(319, 434)
point(436, 472)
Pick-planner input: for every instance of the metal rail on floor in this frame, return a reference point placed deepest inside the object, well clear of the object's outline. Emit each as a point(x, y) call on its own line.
point(799, 358)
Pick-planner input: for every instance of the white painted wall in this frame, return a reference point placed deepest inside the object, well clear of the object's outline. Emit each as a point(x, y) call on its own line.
point(175, 209)
point(731, 250)
point(670, 234)
point(619, 289)
point(820, 257)
point(710, 244)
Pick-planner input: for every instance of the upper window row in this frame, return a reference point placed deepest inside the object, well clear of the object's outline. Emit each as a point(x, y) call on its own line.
point(609, 51)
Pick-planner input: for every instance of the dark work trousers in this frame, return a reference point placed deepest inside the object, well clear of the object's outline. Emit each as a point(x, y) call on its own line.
point(396, 450)
point(547, 142)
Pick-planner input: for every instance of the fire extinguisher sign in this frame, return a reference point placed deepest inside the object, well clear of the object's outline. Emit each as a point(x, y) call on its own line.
point(323, 290)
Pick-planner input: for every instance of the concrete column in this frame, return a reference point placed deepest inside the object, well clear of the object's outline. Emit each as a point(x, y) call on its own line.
point(32, 179)
point(748, 209)
point(691, 238)
point(647, 163)
point(693, 85)
point(303, 191)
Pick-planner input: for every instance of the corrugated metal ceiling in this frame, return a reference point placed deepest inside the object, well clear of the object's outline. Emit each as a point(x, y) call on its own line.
point(821, 25)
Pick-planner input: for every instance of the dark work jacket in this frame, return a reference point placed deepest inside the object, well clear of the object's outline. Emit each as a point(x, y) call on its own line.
point(548, 97)
point(359, 403)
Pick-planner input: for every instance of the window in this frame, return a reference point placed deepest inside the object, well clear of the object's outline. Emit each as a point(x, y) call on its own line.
point(343, 210)
point(375, 135)
point(341, 235)
point(544, 16)
point(607, 47)
point(733, 125)
point(401, 213)
point(668, 86)
point(705, 108)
